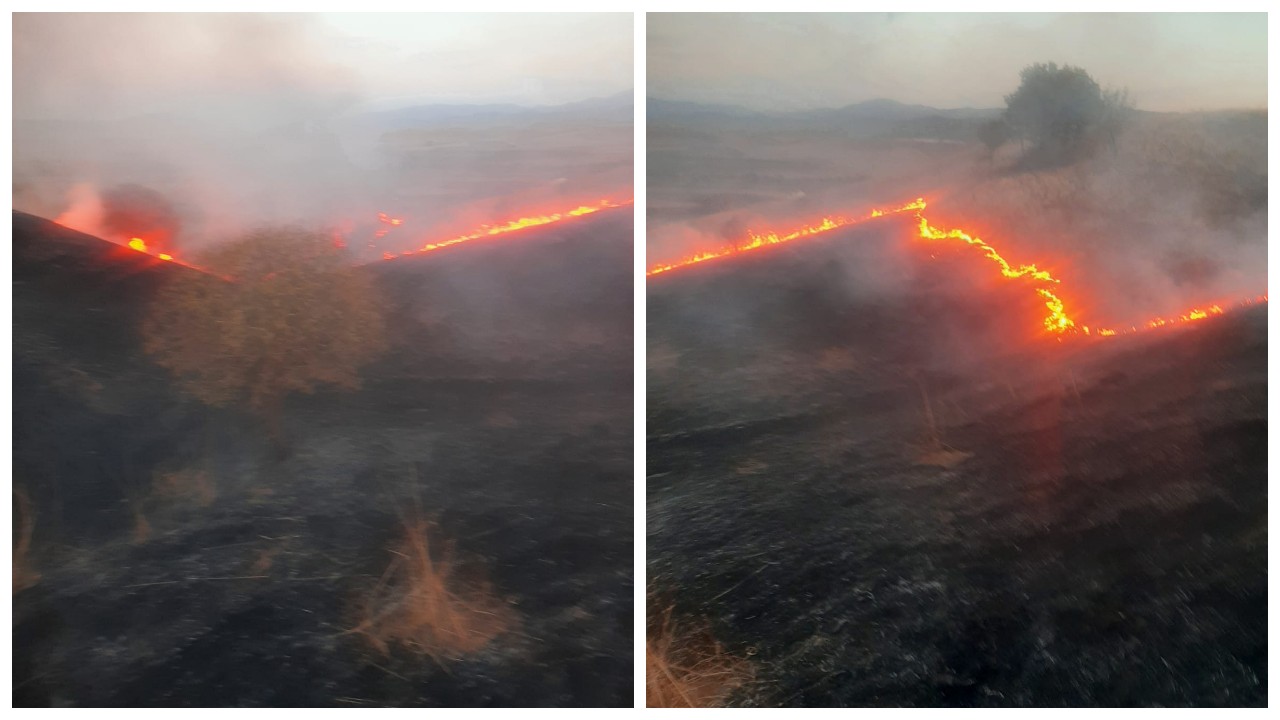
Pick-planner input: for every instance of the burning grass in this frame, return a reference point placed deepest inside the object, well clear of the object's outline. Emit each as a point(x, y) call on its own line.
point(423, 603)
point(688, 668)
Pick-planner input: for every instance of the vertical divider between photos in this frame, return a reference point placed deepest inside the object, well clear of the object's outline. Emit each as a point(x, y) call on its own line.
point(640, 246)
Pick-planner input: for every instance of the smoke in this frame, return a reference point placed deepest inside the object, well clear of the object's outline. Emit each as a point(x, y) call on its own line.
point(791, 61)
point(1171, 219)
point(232, 121)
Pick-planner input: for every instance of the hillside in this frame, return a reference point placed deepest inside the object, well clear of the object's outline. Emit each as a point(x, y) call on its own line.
point(180, 561)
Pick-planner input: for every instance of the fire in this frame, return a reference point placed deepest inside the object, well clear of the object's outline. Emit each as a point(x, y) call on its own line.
point(137, 243)
point(390, 222)
point(756, 241)
point(1057, 321)
point(516, 224)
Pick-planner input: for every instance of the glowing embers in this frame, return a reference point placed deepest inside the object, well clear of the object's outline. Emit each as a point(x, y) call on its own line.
point(389, 223)
point(141, 246)
point(757, 240)
point(517, 224)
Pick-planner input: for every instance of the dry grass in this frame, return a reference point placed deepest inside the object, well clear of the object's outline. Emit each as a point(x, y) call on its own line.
point(169, 490)
point(141, 526)
point(689, 669)
point(24, 575)
point(184, 487)
point(264, 560)
point(941, 456)
point(751, 466)
point(424, 604)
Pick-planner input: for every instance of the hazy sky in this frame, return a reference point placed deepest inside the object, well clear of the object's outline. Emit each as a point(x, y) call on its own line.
point(796, 61)
point(117, 65)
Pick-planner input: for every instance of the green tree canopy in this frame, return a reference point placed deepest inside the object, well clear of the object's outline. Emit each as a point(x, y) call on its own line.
point(1058, 109)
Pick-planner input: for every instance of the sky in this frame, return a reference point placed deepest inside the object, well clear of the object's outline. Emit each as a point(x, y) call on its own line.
point(118, 65)
point(1169, 62)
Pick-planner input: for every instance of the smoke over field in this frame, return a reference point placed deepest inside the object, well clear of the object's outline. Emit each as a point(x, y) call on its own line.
point(254, 464)
point(1173, 216)
point(961, 402)
point(255, 119)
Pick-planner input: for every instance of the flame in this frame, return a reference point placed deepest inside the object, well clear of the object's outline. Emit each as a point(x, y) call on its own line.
point(1057, 321)
point(756, 241)
point(137, 243)
point(390, 222)
point(514, 225)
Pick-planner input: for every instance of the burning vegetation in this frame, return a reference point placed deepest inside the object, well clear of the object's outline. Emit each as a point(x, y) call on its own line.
point(1057, 320)
point(509, 226)
point(907, 453)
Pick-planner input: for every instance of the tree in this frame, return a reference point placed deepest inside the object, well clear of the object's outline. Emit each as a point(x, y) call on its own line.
point(1116, 109)
point(994, 134)
point(280, 312)
point(1058, 109)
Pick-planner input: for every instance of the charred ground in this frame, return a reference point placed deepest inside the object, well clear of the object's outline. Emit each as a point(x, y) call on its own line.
point(1103, 543)
point(502, 410)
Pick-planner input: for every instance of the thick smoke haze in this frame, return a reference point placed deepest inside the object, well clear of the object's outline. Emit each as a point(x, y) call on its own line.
point(765, 61)
point(770, 123)
point(322, 120)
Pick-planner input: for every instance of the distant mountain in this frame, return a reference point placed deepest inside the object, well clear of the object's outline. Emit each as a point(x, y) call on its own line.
point(610, 109)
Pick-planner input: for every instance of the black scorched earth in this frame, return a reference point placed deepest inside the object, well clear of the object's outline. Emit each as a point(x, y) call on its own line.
point(503, 410)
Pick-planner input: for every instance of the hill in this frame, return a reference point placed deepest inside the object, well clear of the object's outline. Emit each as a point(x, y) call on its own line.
point(181, 562)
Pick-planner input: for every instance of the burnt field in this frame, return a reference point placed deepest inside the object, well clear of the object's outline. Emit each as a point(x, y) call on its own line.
point(178, 558)
point(1080, 523)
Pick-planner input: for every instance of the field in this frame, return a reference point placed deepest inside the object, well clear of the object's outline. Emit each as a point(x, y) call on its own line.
point(177, 558)
point(871, 481)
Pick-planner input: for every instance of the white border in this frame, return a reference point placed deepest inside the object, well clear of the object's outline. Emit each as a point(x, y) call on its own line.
point(639, 7)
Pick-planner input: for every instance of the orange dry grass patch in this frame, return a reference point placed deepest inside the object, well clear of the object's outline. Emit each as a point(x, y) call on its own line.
point(422, 603)
point(689, 670)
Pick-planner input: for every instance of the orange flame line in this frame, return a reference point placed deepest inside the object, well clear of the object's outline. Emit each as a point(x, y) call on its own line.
point(756, 241)
point(517, 224)
point(1057, 321)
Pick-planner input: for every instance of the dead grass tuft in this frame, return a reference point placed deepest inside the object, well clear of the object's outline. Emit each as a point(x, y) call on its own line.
point(942, 456)
point(24, 574)
point(689, 668)
point(423, 603)
point(184, 486)
point(141, 526)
